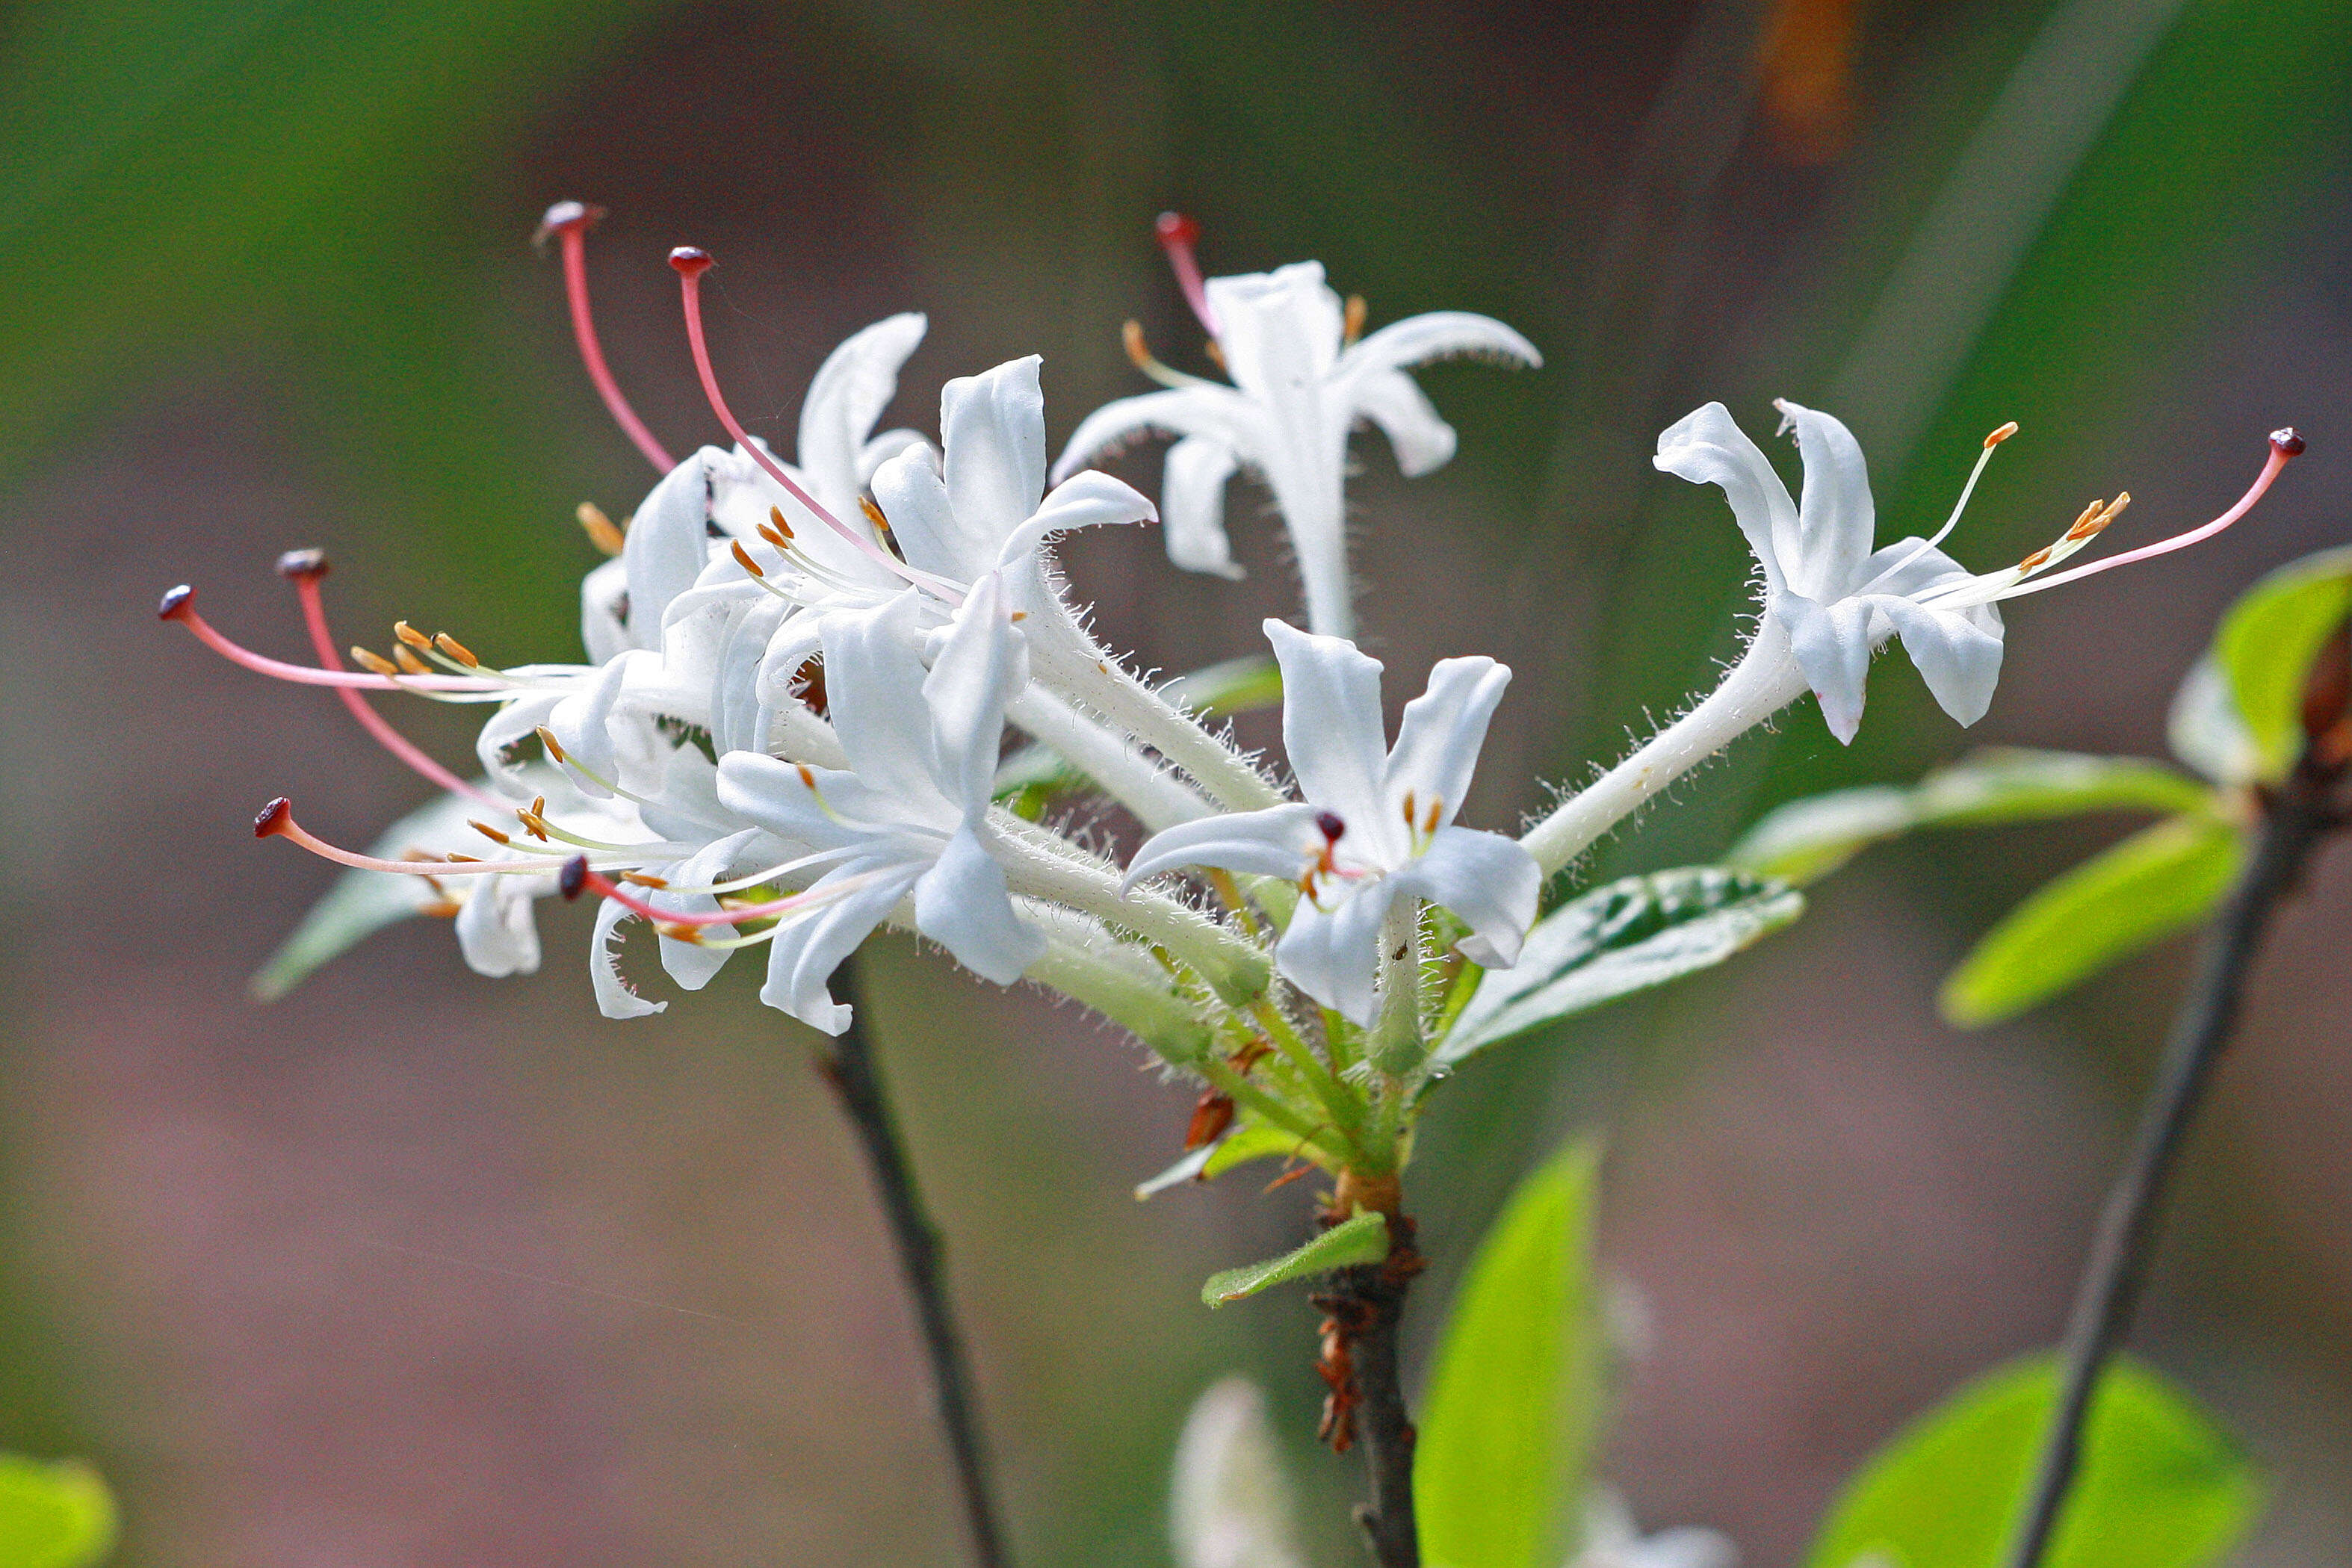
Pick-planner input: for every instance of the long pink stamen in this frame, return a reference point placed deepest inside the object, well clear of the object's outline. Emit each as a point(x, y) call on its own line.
point(691, 263)
point(2286, 445)
point(1178, 236)
point(577, 878)
point(275, 820)
point(304, 569)
point(570, 221)
point(179, 604)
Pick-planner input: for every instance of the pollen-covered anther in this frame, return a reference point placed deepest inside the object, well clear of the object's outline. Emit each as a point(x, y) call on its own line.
point(601, 531)
point(411, 635)
point(488, 832)
point(646, 879)
point(2003, 434)
point(2088, 525)
point(455, 650)
point(547, 738)
point(677, 933)
point(1352, 326)
point(296, 565)
point(776, 521)
point(533, 823)
point(743, 559)
point(1430, 825)
point(808, 776)
point(408, 661)
point(442, 909)
point(874, 515)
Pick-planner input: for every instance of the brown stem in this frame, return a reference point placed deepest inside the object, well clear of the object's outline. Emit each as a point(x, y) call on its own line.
point(1364, 1307)
point(849, 1067)
point(2294, 822)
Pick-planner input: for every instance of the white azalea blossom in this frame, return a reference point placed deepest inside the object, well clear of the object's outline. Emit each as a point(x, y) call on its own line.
point(1612, 1540)
point(1377, 824)
point(909, 817)
point(1300, 385)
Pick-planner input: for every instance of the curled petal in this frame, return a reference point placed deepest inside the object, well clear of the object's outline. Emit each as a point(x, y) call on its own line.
point(1280, 841)
point(1958, 653)
point(804, 955)
point(1423, 442)
point(1192, 505)
point(690, 964)
point(1438, 740)
point(497, 933)
point(616, 997)
point(1332, 950)
point(1835, 516)
point(846, 397)
point(1832, 644)
point(1489, 881)
point(1707, 446)
point(992, 428)
point(962, 905)
point(1219, 414)
point(669, 541)
point(1082, 501)
point(1437, 335)
point(604, 611)
point(1275, 328)
point(983, 664)
point(1331, 721)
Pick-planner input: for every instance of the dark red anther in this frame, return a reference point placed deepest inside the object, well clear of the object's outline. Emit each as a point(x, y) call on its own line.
point(1175, 228)
point(175, 603)
point(564, 216)
point(302, 565)
point(272, 819)
point(690, 260)
point(1330, 824)
point(572, 877)
point(2289, 444)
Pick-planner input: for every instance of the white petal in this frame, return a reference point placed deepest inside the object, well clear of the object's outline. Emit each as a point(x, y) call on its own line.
point(1332, 952)
point(1707, 446)
point(914, 496)
point(690, 964)
point(1958, 656)
point(1437, 742)
point(993, 427)
point(497, 933)
point(1082, 501)
point(961, 903)
point(1193, 505)
point(824, 809)
point(510, 728)
point(604, 611)
point(889, 445)
point(1279, 331)
point(1486, 879)
point(1423, 442)
point(1832, 644)
point(1440, 334)
point(1217, 413)
point(846, 397)
point(1229, 1500)
point(583, 725)
point(1836, 518)
point(669, 539)
point(984, 662)
point(1331, 721)
point(804, 955)
point(615, 998)
point(1280, 841)
point(873, 668)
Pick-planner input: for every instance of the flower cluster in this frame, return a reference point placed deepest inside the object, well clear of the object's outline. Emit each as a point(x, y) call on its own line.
point(789, 730)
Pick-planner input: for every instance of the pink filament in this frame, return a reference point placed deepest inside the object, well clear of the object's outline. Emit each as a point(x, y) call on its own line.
point(314, 613)
point(574, 235)
point(690, 284)
point(597, 882)
point(1177, 235)
point(304, 676)
point(286, 827)
point(2278, 460)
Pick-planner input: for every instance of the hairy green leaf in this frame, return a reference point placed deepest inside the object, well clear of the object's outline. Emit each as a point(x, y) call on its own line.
point(2161, 1487)
point(1626, 936)
point(56, 1515)
point(2266, 642)
point(1806, 840)
point(1248, 1141)
point(1363, 1238)
point(1514, 1401)
point(2159, 880)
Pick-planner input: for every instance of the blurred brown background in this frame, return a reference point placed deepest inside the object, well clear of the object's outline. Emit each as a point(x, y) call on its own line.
point(416, 1267)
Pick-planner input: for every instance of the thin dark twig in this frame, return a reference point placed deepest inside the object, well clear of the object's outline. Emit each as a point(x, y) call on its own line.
point(2294, 822)
point(849, 1066)
point(1365, 1309)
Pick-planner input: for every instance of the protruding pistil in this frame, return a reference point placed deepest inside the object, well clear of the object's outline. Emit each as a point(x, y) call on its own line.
point(1177, 235)
point(570, 221)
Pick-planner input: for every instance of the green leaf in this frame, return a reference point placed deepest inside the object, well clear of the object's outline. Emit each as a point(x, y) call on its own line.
point(362, 902)
point(2266, 642)
point(1626, 936)
point(1364, 1239)
point(1248, 1141)
point(2161, 1487)
point(53, 1515)
point(1806, 840)
point(1508, 1423)
point(2152, 885)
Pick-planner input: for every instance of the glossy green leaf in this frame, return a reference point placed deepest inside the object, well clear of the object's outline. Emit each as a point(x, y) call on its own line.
point(362, 902)
point(2161, 1487)
point(2157, 882)
point(1806, 840)
point(2266, 642)
point(1626, 936)
point(56, 1515)
point(1363, 1238)
point(1508, 1423)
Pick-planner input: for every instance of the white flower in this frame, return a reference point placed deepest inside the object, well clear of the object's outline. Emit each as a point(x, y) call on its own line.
point(1613, 1540)
point(1230, 1502)
point(1300, 385)
point(911, 815)
point(1377, 823)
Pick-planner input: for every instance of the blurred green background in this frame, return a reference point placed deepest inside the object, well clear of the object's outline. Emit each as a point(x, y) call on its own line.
point(420, 1269)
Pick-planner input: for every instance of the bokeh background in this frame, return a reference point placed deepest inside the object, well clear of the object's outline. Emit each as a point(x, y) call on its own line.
point(419, 1268)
